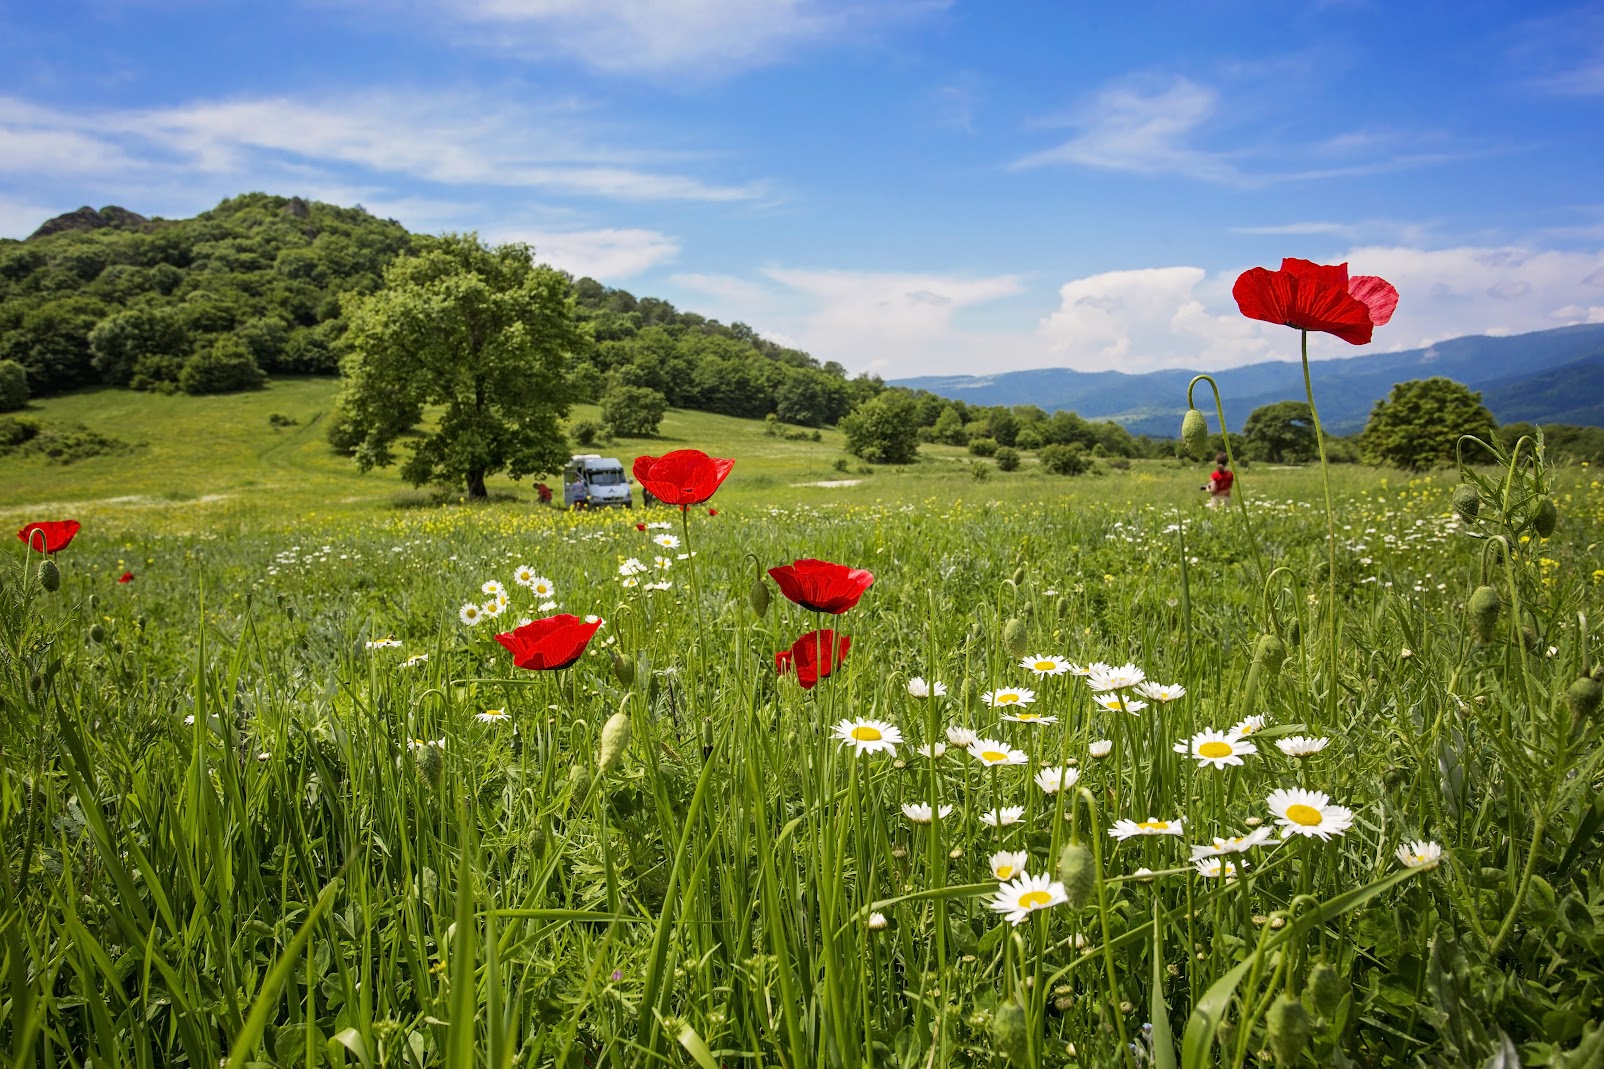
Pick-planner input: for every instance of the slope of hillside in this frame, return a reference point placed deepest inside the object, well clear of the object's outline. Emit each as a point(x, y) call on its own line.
point(1153, 403)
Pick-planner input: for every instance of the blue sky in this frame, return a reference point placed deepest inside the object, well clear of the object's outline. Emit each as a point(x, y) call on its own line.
point(906, 186)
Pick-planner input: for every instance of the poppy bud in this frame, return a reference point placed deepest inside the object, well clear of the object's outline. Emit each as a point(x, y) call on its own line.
point(1484, 607)
point(1009, 1033)
point(1019, 575)
point(758, 596)
point(1584, 697)
point(579, 780)
point(430, 763)
point(1063, 607)
point(707, 738)
point(1467, 501)
point(50, 576)
point(623, 669)
point(94, 601)
point(1014, 638)
point(1544, 516)
point(1269, 654)
point(1326, 988)
point(614, 741)
point(36, 682)
point(1289, 1028)
point(1078, 875)
point(97, 633)
point(1195, 433)
point(1294, 632)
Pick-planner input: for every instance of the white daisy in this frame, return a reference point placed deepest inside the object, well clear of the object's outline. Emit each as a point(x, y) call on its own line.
point(667, 541)
point(1007, 696)
point(422, 744)
point(1124, 829)
point(877, 921)
point(415, 660)
point(960, 736)
point(1302, 812)
point(1215, 868)
point(1020, 897)
point(1160, 692)
point(385, 644)
point(658, 586)
point(632, 566)
point(1005, 865)
point(1420, 854)
point(1045, 664)
point(1247, 725)
point(546, 606)
point(991, 752)
point(919, 812)
point(1241, 844)
point(1083, 670)
point(1025, 716)
point(1217, 748)
point(869, 736)
point(523, 575)
point(493, 588)
point(1053, 780)
point(1101, 748)
point(543, 587)
point(1115, 703)
point(931, 750)
point(1301, 745)
point(471, 614)
point(662, 563)
point(1103, 677)
point(660, 525)
point(494, 716)
point(492, 608)
point(1003, 816)
point(918, 688)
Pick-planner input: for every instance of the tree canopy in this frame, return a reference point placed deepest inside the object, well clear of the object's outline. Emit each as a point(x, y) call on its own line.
point(1419, 424)
point(1280, 432)
point(478, 338)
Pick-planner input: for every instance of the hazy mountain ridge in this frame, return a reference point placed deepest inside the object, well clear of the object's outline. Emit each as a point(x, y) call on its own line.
point(1546, 376)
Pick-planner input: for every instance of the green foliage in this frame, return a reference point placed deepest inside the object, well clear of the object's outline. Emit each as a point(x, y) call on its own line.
point(1561, 440)
point(13, 386)
point(59, 443)
point(1419, 424)
point(224, 366)
point(882, 431)
point(131, 340)
point(588, 432)
point(482, 333)
point(1065, 459)
point(1007, 458)
point(983, 447)
point(1282, 432)
point(633, 411)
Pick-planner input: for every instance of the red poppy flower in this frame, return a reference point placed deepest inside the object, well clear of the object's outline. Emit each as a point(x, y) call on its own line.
point(712, 512)
point(822, 586)
point(683, 477)
point(50, 535)
point(544, 645)
point(126, 577)
point(640, 527)
point(1311, 296)
point(813, 656)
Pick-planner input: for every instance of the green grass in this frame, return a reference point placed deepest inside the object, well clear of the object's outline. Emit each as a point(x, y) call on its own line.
point(296, 876)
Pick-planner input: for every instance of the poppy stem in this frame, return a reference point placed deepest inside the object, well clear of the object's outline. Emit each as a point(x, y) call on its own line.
point(1331, 541)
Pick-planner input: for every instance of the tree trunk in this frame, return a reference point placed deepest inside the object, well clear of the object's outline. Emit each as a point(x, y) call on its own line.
point(476, 485)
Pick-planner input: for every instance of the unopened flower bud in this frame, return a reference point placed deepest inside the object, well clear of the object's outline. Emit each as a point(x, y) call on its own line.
point(1014, 638)
point(1289, 1028)
point(1269, 654)
point(579, 780)
point(1078, 874)
point(1195, 433)
point(758, 596)
point(623, 669)
point(1009, 1032)
point(1019, 576)
point(1326, 988)
point(1484, 607)
point(1467, 501)
point(1584, 697)
point(1544, 516)
point(614, 741)
point(50, 576)
point(97, 633)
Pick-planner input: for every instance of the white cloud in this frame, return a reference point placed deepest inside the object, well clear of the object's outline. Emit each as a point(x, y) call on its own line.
point(605, 255)
point(726, 287)
point(20, 217)
point(444, 138)
point(699, 39)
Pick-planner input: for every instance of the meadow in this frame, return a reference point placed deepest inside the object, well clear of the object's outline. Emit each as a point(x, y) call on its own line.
point(275, 801)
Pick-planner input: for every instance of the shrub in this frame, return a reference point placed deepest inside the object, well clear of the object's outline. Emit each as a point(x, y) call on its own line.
point(15, 430)
point(13, 386)
point(983, 447)
point(588, 432)
point(979, 471)
point(882, 430)
point(278, 421)
point(1028, 438)
point(633, 411)
point(840, 464)
point(343, 433)
point(225, 367)
point(1064, 459)
point(1007, 458)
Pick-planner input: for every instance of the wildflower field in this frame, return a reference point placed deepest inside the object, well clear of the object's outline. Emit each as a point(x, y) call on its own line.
point(1072, 782)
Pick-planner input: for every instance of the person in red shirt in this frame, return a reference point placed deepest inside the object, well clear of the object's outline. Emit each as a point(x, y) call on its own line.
point(1219, 485)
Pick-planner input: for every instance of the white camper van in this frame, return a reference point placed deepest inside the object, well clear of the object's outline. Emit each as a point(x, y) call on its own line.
point(594, 481)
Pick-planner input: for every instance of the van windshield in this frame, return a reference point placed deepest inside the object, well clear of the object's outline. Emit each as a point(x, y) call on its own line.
point(612, 477)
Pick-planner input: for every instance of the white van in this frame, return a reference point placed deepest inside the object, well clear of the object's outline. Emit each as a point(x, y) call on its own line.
point(591, 480)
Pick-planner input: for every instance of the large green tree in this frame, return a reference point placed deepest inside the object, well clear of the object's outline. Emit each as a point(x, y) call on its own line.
point(477, 335)
point(1419, 424)
point(1283, 431)
point(882, 430)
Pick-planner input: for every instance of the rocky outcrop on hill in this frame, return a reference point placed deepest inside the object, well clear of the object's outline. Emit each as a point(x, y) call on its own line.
point(86, 218)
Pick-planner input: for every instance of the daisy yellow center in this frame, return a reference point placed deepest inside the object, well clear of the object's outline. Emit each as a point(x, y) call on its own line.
point(1005, 871)
point(1032, 899)
point(1029, 716)
point(1215, 749)
point(993, 755)
point(1306, 815)
point(865, 733)
point(1007, 699)
point(1045, 666)
point(1153, 825)
point(1248, 729)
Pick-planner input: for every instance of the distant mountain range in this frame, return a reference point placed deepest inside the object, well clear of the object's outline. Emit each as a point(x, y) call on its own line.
point(1551, 376)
